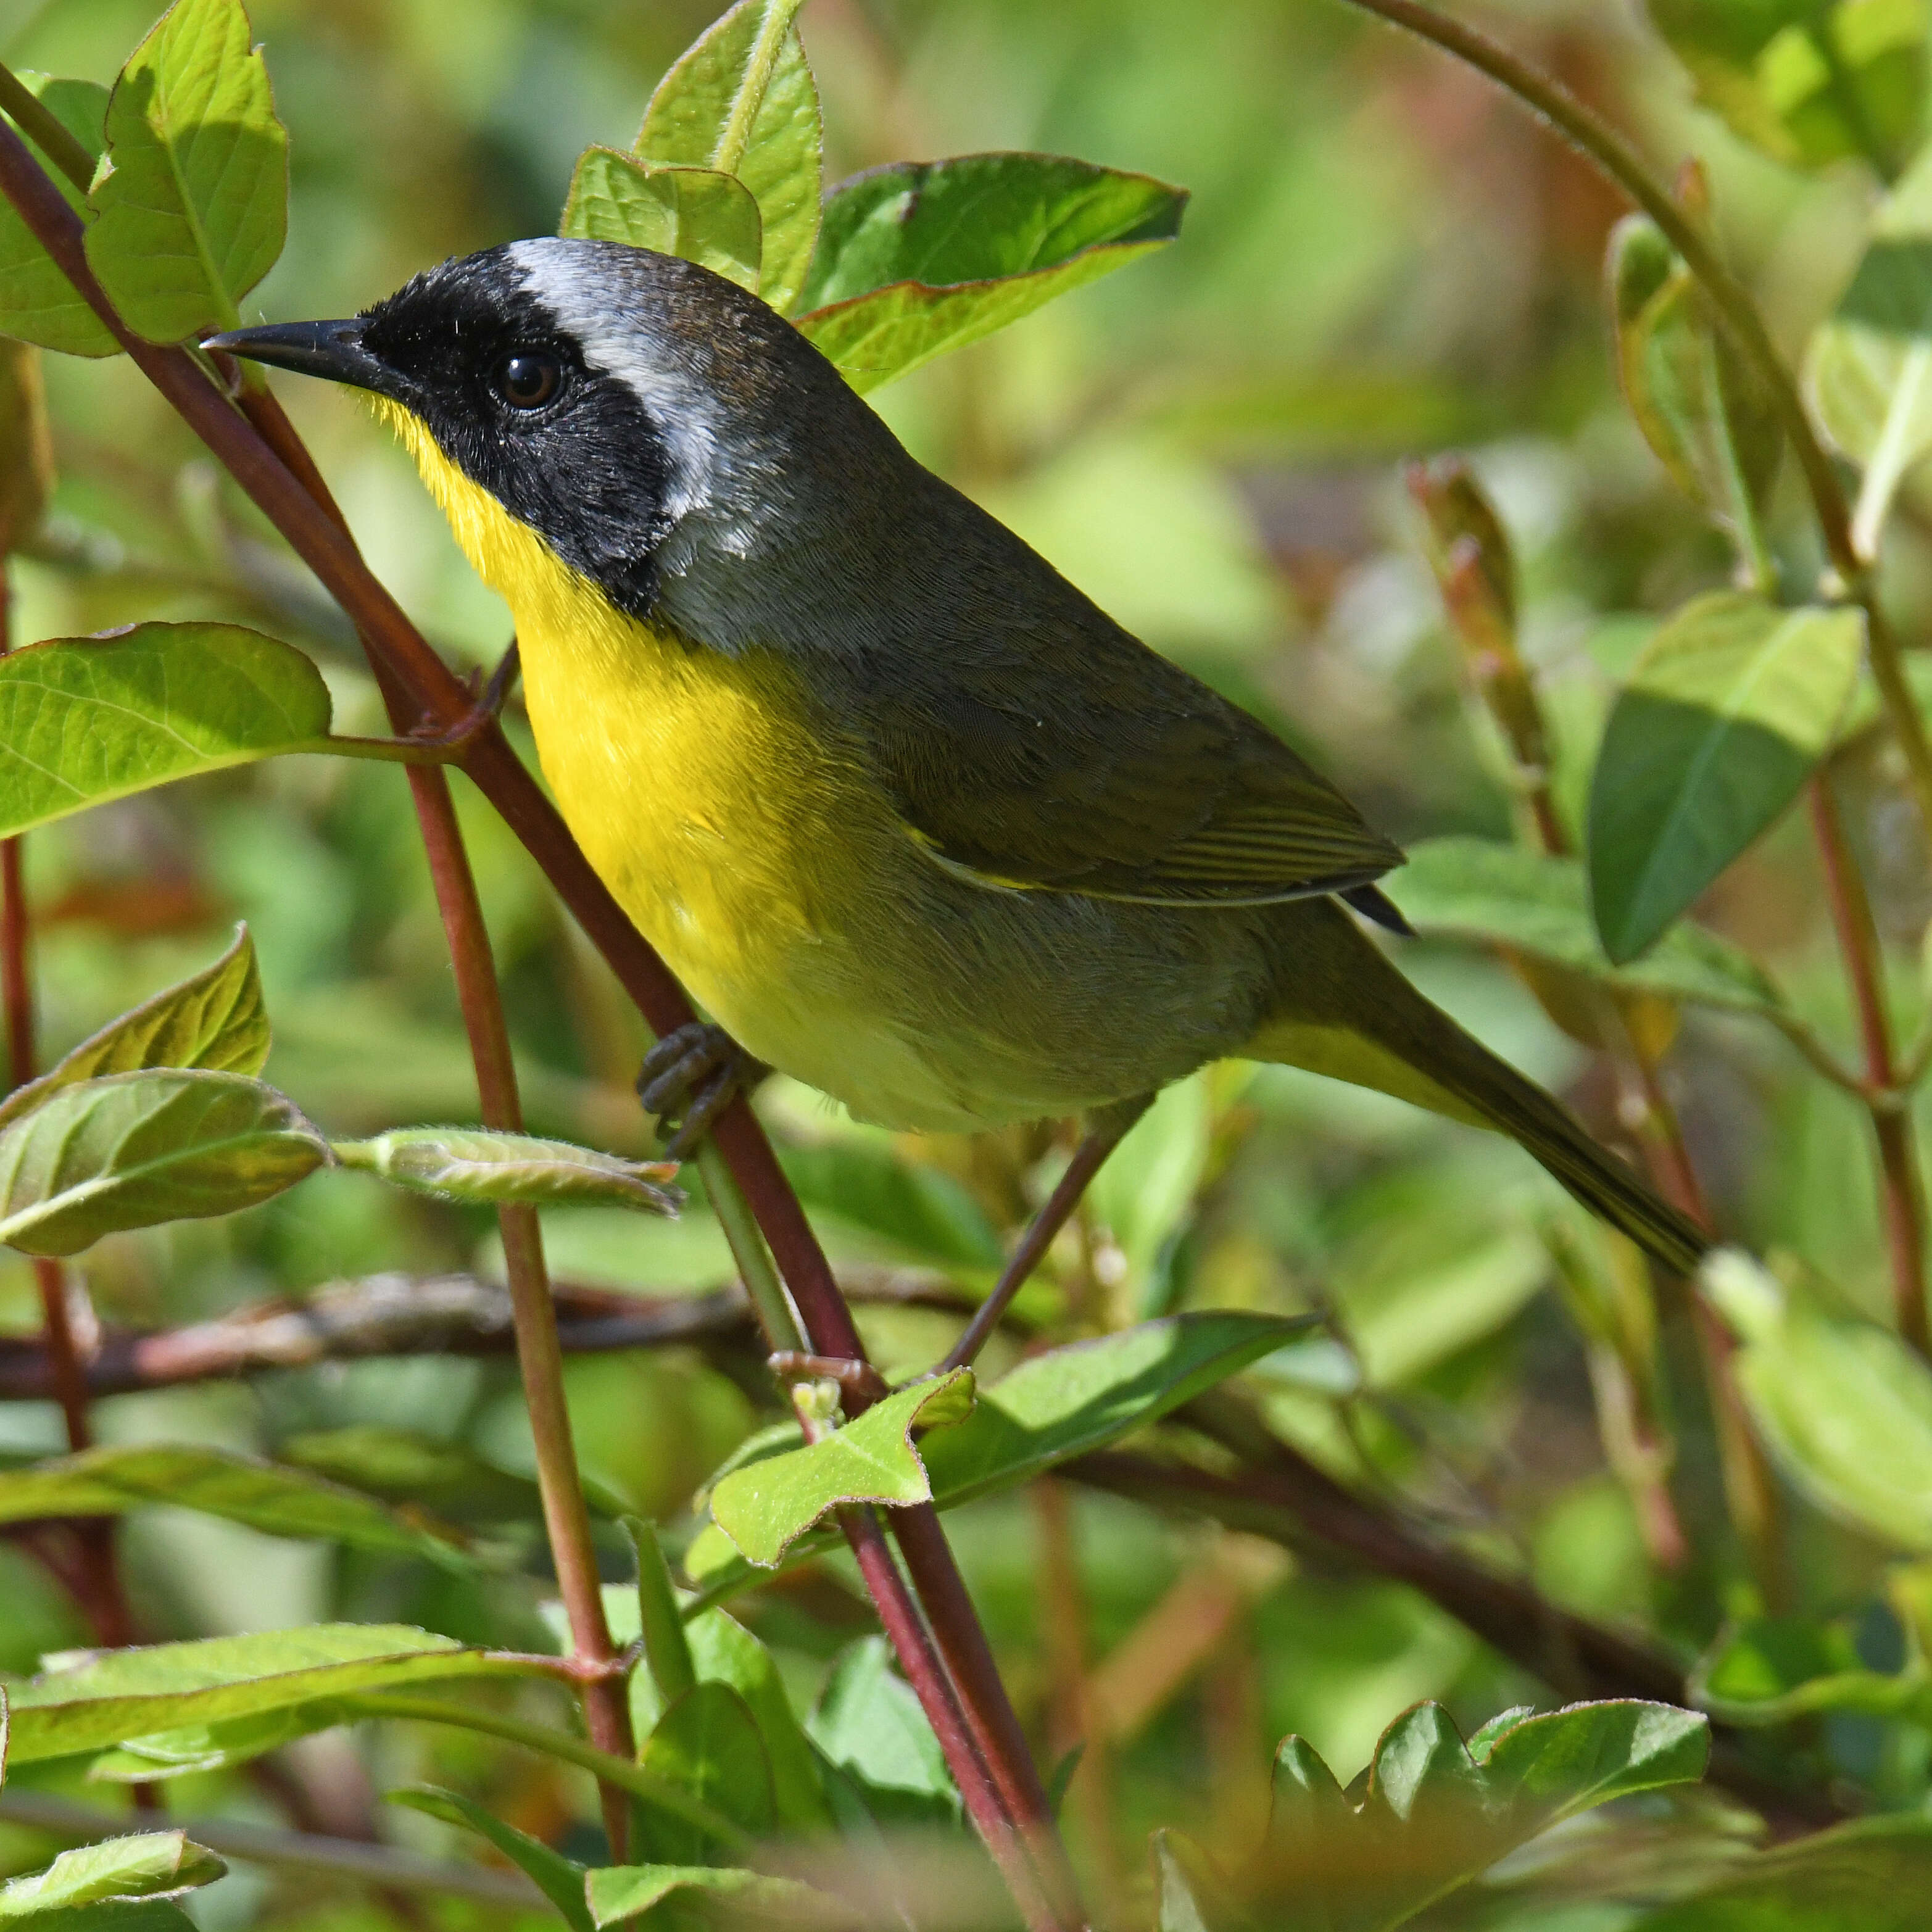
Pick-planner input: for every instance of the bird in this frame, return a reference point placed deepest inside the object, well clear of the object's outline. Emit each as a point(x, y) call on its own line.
point(910, 816)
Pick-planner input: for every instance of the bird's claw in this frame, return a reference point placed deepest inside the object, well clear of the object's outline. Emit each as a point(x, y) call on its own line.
point(689, 1077)
point(853, 1378)
point(486, 706)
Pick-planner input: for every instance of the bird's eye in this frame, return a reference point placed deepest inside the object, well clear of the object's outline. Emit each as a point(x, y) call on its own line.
point(526, 380)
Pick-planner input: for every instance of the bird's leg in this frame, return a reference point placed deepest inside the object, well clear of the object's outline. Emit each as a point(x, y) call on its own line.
point(485, 706)
point(690, 1077)
point(1106, 1128)
point(861, 1378)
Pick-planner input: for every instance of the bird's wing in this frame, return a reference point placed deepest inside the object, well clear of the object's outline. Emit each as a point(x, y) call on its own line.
point(1091, 765)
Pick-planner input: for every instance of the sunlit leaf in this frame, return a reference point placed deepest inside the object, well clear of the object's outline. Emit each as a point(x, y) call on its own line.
point(707, 217)
point(1698, 404)
point(474, 1165)
point(123, 1694)
point(192, 206)
point(765, 1506)
point(213, 1019)
point(150, 1863)
point(922, 257)
point(1845, 1406)
point(1060, 1403)
point(84, 720)
point(707, 1743)
point(560, 1879)
point(1506, 896)
point(741, 100)
point(37, 302)
point(132, 1150)
point(279, 1501)
point(723, 1652)
point(1807, 81)
point(1725, 714)
point(619, 1894)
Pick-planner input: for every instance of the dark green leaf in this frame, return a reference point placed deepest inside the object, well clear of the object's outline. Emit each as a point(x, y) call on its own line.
point(37, 303)
point(193, 207)
point(560, 1879)
point(475, 1165)
point(1845, 1407)
point(922, 257)
point(741, 100)
point(868, 1722)
point(706, 217)
point(1699, 407)
point(765, 1506)
point(214, 1020)
point(1726, 714)
point(1873, 1875)
point(1507, 896)
point(1772, 1670)
point(413, 1467)
point(124, 1694)
point(620, 1894)
point(707, 1744)
point(117, 1915)
point(140, 1866)
point(109, 1480)
point(925, 1215)
point(84, 720)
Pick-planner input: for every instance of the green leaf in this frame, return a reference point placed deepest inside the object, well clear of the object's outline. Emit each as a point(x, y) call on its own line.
point(1700, 408)
point(619, 1894)
point(1868, 370)
point(413, 1467)
point(280, 1501)
point(1807, 81)
point(214, 1019)
point(868, 1722)
point(132, 1150)
point(86, 720)
point(1432, 1817)
point(119, 1695)
point(193, 206)
point(1725, 714)
point(741, 100)
point(723, 1651)
point(117, 1915)
point(925, 1215)
point(1770, 1670)
point(192, 1748)
point(37, 302)
point(1506, 895)
point(1845, 1407)
point(922, 257)
point(1050, 1407)
point(132, 1868)
point(765, 1506)
point(707, 1743)
point(1874, 1874)
point(560, 1879)
point(473, 1166)
point(707, 217)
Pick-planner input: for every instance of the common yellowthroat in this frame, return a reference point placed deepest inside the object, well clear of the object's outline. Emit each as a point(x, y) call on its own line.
point(912, 817)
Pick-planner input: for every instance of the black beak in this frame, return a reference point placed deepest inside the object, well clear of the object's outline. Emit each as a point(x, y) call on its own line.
point(332, 350)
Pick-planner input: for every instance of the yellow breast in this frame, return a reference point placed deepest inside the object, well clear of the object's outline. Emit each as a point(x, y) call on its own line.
point(689, 778)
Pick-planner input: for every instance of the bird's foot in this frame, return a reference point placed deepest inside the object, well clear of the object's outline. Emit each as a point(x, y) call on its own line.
point(853, 1378)
point(690, 1077)
point(486, 704)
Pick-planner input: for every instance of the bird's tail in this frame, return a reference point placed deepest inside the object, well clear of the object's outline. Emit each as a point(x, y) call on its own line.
point(1352, 1015)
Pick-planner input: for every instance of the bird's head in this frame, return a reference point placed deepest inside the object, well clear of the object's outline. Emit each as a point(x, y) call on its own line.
point(641, 415)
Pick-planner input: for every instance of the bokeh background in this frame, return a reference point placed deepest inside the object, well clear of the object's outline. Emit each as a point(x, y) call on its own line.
point(1383, 258)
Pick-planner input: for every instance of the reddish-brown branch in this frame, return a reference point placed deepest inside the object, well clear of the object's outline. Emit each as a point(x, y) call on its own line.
point(1901, 1187)
point(440, 699)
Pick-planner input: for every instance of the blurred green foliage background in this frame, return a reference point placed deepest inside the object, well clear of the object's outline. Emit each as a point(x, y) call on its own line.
point(1382, 258)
